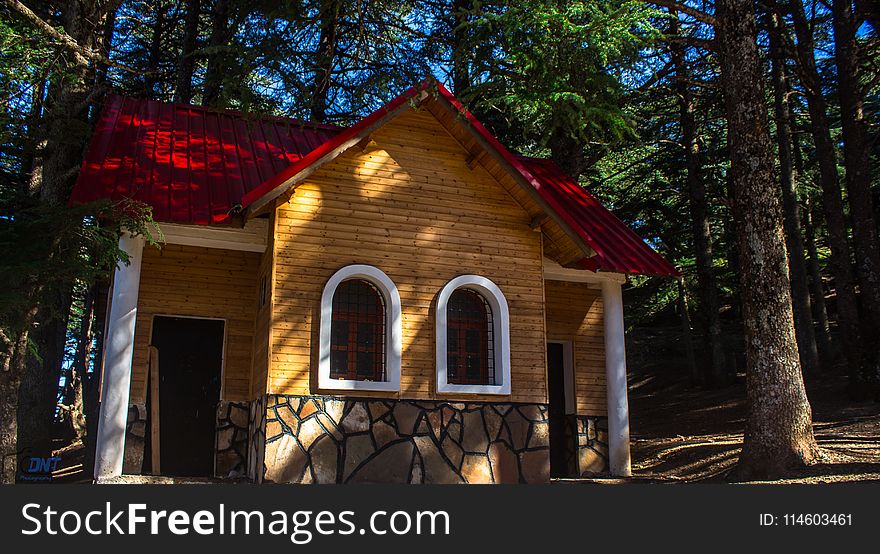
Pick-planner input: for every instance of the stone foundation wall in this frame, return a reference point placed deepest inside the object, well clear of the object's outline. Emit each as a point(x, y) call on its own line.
point(312, 439)
point(257, 439)
point(231, 444)
point(135, 431)
point(592, 445)
point(233, 419)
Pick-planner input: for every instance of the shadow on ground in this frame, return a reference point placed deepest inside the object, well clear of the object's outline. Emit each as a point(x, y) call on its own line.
point(682, 433)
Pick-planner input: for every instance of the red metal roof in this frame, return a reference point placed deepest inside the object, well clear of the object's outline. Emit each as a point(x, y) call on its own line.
point(196, 166)
point(192, 165)
point(617, 247)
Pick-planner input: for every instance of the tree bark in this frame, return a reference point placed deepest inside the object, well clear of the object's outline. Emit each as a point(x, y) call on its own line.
point(779, 431)
point(183, 91)
point(216, 60)
point(151, 77)
point(835, 219)
point(10, 382)
point(700, 226)
point(325, 58)
point(800, 293)
point(686, 332)
point(461, 76)
point(856, 156)
point(820, 312)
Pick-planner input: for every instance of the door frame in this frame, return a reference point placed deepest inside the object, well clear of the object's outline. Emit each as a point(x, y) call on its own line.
point(568, 379)
point(222, 365)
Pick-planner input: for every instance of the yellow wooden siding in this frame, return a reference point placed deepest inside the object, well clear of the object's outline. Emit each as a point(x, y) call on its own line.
point(574, 313)
point(263, 321)
point(557, 244)
point(199, 282)
point(409, 205)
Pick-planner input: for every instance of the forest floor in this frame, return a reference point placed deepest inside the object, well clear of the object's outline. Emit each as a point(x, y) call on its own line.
point(683, 433)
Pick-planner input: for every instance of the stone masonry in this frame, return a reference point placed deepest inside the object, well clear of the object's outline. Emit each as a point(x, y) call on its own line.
point(314, 439)
point(592, 445)
point(231, 444)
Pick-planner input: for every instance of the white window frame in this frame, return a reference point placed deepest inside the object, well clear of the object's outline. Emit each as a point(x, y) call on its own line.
point(393, 330)
point(500, 335)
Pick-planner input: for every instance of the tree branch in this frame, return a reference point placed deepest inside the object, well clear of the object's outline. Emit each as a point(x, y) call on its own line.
point(81, 54)
point(693, 12)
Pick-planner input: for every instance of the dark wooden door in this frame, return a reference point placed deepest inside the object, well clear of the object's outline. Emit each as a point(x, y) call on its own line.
point(559, 447)
point(190, 366)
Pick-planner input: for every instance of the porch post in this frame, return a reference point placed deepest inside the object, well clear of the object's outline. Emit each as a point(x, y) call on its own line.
point(615, 380)
point(118, 350)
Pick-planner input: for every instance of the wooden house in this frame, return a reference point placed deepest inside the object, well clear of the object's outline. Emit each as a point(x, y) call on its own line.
point(403, 300)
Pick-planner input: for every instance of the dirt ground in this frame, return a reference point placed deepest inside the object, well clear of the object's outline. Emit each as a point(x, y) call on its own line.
point(681, 433)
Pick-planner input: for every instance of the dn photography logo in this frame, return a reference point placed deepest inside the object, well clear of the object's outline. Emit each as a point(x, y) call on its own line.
point(36, 468)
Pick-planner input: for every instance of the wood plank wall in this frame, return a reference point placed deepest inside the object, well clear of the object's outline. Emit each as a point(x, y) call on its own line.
point(199, 282)
point(263, 322)
point(574, 313)
point(409, 205)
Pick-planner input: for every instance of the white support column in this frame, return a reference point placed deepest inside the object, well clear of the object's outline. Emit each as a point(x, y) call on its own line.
point(615, 380)
point(118, 350)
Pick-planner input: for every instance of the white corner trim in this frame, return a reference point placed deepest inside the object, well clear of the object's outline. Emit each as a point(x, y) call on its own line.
point(250, 238)
point(619, 462)
point(118, 353)
point(555, 272)
point(500, 330)
point(393, 330)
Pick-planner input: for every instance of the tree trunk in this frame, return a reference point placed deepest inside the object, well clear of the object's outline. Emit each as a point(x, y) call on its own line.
point(10, 381)
point(151, 77)
point(79, 368)
point(820, 312)
point(105, 44)
point(800, 293)
point(66, 130)
point(686, 333)
point(779, 431)
point(325, 58)
point(835, 219)
point(183, 91)
point(38, 389)
point(91, 387)
point(856, 155)
point(700, 227)
point(217, 60)
point(461, 48)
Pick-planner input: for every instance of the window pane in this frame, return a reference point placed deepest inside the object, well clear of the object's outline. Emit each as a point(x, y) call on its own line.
point(365, 367)
point(469, 342)
point(366, 334)
point(452, 369)
point(452, 339)
point(339, 333)
point(473, 367)
point(472, 341)
point(357, 332)
point(338, 364)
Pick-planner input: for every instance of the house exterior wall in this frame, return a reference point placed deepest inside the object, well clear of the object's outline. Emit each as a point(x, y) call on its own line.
point(199, 282)
point(410, 205)
point(574, 313)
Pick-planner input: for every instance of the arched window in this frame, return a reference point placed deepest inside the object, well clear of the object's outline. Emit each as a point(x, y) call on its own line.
point(357, 332)
point(360, 331)
point(469, 350)
point(473, 337)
